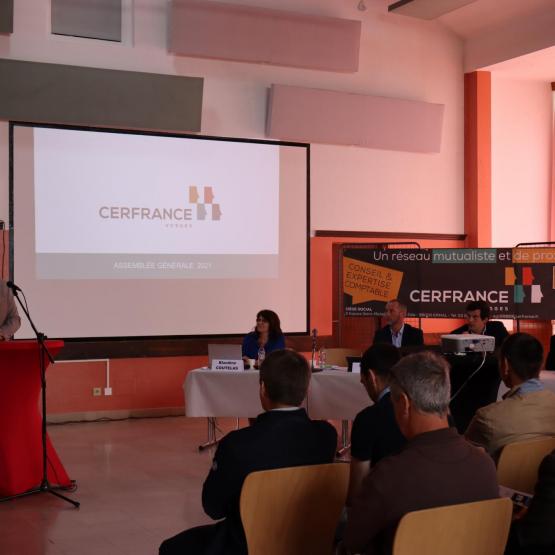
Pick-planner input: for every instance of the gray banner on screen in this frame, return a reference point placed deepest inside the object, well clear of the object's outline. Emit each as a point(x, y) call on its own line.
point(155, 266)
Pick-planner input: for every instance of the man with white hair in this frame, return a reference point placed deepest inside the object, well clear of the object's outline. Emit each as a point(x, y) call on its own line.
point(437, 466)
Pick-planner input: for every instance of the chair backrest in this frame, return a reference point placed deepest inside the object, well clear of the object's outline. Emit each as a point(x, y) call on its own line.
point(519, 462)
point(293, 510)
point(479, 528)
point(338, 356)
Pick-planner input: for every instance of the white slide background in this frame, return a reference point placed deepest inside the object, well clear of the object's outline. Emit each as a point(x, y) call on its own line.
point(60, 177)
point(79, 172)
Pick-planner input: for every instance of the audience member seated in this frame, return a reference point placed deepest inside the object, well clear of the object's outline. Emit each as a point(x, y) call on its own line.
point(482, 389)
point(375, 433)
point(267, 333)
point(396, 332)
point(436, 467)
point(550, 360)
point(282, 436)
point(534, 532)
point(527, 410)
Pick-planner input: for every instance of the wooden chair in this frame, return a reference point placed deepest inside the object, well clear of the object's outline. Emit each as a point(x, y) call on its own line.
point(338, 356)
point(479, 528)
point(293, 511)
point(519, 462)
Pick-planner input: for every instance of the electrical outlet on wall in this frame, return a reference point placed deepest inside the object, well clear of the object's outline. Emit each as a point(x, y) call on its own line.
point(108, 391)
point(97, 391)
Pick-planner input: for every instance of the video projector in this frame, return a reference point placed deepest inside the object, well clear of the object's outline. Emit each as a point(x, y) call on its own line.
point(467, 343)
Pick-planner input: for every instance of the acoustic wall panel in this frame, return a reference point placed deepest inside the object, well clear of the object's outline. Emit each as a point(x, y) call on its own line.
point(205, 29)
point(320, 116)
point(53, 93)
point(6, 16)
point(94, 19)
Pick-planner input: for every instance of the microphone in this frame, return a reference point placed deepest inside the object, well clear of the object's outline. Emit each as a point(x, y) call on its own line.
point(13, 286)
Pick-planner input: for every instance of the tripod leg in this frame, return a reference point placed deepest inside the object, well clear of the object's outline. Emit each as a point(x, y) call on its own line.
point(76, 504)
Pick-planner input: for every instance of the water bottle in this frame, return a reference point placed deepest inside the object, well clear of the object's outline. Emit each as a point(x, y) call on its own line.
point(322, 357)
point(261, 355)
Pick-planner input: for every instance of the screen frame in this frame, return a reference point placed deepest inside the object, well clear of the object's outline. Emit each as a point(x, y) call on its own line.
point(83, 347)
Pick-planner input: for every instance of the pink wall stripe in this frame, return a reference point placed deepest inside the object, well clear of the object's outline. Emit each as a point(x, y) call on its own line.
point(320, 116)
point(205, 29)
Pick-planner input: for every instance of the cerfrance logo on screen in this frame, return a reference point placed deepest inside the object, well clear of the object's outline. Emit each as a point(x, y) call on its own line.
point(201, 207)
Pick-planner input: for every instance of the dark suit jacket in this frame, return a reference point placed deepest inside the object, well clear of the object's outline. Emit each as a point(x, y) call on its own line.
point(483, 388)
point(434, 469)
point(550, 361)
point(535, 533)
point(375, 433)
point(495, 329)
point(412, 337)
point(277, 439)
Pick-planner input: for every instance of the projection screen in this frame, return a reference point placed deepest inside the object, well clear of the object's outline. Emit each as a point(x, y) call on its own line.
point(130, 234)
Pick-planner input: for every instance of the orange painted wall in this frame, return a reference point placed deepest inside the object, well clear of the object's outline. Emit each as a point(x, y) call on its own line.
point(142, 383)
point(552, 204)
point(477, 158)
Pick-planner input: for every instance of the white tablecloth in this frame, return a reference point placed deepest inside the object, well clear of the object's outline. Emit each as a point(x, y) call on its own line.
point(333, 394)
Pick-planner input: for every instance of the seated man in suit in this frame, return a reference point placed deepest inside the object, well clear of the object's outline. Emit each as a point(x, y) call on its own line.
point(436, 467)
point(527, 410)
point(483, 387)
point(375, 433)
point(9, 318)
point(396, 332)
point(550, 360)
point(534, 532)
point(478, 322)
point(282, 436)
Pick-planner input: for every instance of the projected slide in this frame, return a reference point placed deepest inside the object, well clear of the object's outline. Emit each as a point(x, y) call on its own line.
point(111, 206)
point(120, 234)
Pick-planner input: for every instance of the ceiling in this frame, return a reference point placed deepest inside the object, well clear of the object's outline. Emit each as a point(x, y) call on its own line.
point(538, 66)
point(484, 15)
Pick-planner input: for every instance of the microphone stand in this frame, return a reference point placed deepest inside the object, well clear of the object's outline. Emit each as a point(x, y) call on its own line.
point(43, 353)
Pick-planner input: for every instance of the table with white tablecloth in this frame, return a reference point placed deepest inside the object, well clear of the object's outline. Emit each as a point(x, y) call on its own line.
point(332, 394)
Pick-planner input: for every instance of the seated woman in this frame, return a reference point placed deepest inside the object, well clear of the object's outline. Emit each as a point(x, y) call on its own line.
point(267, 333)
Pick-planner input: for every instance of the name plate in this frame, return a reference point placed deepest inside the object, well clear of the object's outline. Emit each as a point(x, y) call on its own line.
point(228, 365)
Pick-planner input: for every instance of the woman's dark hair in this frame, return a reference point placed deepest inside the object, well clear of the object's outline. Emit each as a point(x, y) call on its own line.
point(273, 319)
